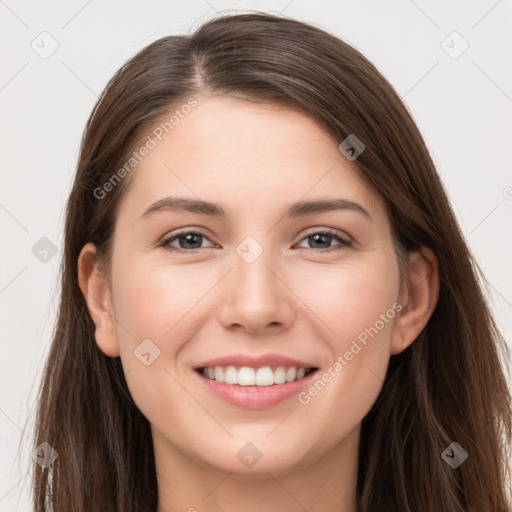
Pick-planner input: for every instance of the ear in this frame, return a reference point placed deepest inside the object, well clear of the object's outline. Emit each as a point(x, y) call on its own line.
point(95, 288)
point(418, 297)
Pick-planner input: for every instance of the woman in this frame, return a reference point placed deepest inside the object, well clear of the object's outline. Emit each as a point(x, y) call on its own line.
point(256, 370)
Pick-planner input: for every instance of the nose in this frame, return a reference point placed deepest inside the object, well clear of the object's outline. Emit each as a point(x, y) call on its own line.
point(255, 297)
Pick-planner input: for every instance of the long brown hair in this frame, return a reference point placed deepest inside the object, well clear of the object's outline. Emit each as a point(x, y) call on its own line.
point(448, 386)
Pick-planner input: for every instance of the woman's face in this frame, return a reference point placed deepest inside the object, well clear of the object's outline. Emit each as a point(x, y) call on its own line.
point(253, 288)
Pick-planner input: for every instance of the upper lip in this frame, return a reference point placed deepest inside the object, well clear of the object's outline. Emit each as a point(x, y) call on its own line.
point(240, 360)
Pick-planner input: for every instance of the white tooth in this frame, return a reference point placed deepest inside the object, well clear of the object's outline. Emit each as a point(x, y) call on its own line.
point(219, 374)
point(246, 376)
point(264, 376)
point(231, 375)
point(300, 373)
point(279, 375)
point(291, 373)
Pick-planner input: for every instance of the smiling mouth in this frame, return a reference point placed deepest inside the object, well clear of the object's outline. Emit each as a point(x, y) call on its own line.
point(259, 377)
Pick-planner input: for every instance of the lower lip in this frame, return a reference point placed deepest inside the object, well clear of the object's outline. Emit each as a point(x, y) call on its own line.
point(256, 397)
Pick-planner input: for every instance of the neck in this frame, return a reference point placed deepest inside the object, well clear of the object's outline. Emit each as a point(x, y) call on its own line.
point(327, 484)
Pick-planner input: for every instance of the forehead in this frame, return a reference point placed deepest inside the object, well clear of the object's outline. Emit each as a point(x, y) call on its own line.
point(246, 156)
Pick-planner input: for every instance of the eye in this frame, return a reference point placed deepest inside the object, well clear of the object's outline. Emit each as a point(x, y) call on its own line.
point(187, 240)
point(190, 241)
point(325, 237)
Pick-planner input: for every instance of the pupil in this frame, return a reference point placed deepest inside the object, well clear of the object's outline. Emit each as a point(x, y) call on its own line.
point(316, 235)
point(188, 240)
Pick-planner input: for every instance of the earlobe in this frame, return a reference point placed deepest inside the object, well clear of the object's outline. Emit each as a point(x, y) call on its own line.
point(96, 292)
point(418, 298)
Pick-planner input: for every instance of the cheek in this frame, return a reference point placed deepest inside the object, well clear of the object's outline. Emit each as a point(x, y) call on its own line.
point(157, 311)
point(358, 304)
point(352, 300)
point(154, 302)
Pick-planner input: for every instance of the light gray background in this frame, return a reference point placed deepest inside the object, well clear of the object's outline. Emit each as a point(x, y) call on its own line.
point(462, 105)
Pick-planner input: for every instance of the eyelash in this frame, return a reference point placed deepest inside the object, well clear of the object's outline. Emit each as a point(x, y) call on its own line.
point(344, 243)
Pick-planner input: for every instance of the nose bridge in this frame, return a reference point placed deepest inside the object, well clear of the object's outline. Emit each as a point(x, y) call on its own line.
point(256, 296)
point(252, 275)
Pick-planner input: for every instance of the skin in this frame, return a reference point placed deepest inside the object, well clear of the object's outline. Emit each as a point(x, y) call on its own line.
point(294, 299)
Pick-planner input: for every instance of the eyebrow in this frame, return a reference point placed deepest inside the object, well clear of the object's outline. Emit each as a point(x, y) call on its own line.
point(298, 209)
